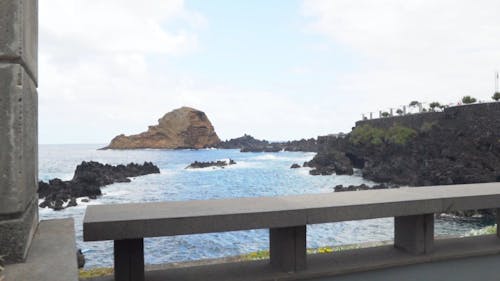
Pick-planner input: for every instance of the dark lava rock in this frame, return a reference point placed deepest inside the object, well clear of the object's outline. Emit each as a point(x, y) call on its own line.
point(72, 202)
point(80, 258)
point(341, 188)
point(222, 164)
point(295, 166)
point(329, 163)
point(248, 143)
point(87, 181)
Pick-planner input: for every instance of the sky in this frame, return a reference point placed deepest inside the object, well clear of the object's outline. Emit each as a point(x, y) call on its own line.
point(275, 69)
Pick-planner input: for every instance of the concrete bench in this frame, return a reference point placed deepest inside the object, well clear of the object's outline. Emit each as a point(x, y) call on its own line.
point(286, 217)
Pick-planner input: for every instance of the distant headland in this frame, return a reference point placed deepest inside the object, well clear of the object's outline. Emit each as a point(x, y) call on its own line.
point(184, 127)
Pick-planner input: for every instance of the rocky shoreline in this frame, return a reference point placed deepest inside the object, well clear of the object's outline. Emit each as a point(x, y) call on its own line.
point(247, 143)
point(219, 164)
point(87, 181)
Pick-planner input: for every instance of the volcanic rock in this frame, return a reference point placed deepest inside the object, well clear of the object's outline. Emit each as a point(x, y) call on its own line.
point(181, 128)
point(219, 163)
point(88, 179)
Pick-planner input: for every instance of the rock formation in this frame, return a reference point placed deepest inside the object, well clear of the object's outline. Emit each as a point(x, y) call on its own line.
point(219, 163)
point(248, 143)
point(181, 128)
point(88, 179)
point(458, 146)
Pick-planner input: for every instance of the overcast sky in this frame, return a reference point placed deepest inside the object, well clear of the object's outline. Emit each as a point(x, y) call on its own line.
point(279, 70)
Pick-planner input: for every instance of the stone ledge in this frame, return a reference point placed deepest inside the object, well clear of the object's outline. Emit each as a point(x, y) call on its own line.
point(16, 234)
point(52, 255)
point(334, 265)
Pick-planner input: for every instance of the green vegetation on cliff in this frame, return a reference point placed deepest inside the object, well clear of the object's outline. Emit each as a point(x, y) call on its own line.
point(396, 134)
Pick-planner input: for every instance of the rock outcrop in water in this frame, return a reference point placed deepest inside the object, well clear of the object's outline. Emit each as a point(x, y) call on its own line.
point(181, 128)
point(219, 163)
point(87, 181)
point(458, 146)
point(248, 143)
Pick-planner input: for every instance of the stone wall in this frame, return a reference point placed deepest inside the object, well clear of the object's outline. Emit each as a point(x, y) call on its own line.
point(479, 114)
point(18, 127)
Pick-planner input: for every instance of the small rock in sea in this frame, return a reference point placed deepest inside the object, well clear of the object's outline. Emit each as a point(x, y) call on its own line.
point(295, 166)
point(85, 200)
point(219, 163)
point(93, 197)
point(80, 258)
point(72, 202)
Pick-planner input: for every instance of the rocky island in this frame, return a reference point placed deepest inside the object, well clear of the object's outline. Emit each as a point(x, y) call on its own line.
point(87, 181)
point(185, 127)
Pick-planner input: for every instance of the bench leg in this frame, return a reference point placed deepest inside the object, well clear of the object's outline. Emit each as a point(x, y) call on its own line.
point(414, 234)
point(287, 248)
point(129, 260)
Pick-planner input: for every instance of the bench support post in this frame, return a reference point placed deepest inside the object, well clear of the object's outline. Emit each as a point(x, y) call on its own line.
point(287, 248)
point(498, 221)
point(129, 260)
point(414, 234)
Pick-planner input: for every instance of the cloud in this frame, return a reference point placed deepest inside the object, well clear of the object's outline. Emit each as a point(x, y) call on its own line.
point(407, 50)
point(96, 64)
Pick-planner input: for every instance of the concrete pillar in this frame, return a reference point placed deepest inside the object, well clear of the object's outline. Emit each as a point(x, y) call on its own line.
point(18, 127)
point(287, 248)
point(414, 234)
point(404, 109)
point(371, 115)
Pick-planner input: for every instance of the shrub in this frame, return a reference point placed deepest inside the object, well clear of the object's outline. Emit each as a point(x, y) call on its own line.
point(434, 105)
point(367, 134)
point(400, 134)
point(496, 96)
point(397, 134)
point(414, 103)
point(468, 100)
point(385, 114)
point(399, 111)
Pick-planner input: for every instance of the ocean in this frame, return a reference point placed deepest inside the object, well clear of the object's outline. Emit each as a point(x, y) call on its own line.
point(255, 174)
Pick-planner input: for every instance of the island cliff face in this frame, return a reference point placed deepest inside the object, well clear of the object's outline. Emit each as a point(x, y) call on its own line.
point(181, 128)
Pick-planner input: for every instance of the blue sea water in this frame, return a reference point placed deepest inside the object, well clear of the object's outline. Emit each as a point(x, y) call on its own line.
point(255, 174)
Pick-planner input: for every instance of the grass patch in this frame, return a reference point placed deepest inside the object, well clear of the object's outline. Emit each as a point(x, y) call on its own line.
point(264, 254)
point(95, 272)
point(492, 229)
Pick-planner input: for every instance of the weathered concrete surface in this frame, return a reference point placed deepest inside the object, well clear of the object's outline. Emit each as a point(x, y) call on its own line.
point(287, 248)
point(18, 136)
point(414, 234)
point(16, 234)
point(18, 161)
point(52, 255)
point(19, 34)
point(129, 221)
point(377, 263)
point(18, 126)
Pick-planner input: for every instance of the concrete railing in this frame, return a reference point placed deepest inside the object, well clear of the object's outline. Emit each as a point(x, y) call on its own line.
point(286, 217)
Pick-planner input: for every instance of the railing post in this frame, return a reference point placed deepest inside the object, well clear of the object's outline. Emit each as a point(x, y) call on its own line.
point(288, 248)
point(129, 260)
point(414, 234)
point(498, 222)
